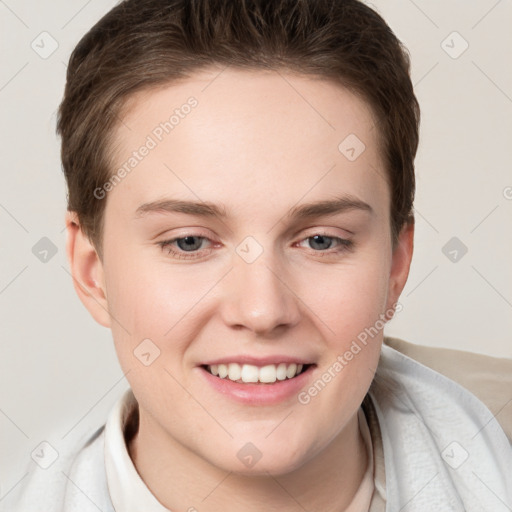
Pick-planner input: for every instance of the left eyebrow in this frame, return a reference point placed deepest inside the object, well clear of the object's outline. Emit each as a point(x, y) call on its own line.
point(328, 207)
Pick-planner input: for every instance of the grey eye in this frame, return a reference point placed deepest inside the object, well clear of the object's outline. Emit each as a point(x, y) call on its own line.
point(188, 244)
point(322, 241)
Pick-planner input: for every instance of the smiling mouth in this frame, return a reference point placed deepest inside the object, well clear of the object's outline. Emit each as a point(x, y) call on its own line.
point(251, 374)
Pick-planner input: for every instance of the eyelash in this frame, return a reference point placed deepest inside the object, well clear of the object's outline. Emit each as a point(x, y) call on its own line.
point(343, 246)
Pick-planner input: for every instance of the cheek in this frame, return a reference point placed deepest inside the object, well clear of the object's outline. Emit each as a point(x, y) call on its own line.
point(154, 296)
point(347, 298)
point(158, 302)
point(348, 305)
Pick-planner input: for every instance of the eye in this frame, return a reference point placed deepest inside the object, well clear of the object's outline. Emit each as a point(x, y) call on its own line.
point(191, 246)
point(185, 247)
point(324, 242)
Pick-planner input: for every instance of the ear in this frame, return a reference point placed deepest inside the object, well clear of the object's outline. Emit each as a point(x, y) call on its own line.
point(400, 264)
point(86, 270)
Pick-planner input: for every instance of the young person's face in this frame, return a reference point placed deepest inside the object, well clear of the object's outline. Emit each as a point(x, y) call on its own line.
point(255, 282)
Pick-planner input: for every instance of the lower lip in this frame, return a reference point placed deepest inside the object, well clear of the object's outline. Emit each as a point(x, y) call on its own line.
point(259, 394)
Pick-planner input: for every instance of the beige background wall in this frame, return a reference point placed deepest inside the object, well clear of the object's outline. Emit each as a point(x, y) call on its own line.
point(59, 373)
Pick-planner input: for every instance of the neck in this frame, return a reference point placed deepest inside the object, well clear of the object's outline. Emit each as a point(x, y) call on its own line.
point(181, 480)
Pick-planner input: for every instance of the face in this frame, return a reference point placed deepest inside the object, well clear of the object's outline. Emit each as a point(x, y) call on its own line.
point(283, 258)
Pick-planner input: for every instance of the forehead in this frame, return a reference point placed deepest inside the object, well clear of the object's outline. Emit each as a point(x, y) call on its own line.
point(253, 132)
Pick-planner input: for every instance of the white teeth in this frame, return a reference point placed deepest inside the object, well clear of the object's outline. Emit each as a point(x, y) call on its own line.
point(234, 371)
point(281, 372)
point(223, 370)
point(268, 373)
point(291, 370)
point(250, 373)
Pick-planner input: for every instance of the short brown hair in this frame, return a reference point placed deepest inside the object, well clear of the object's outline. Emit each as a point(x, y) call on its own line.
point(141, 44)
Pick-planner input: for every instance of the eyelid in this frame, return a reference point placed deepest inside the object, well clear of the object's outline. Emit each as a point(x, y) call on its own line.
point(327, 230)
point(332, 231)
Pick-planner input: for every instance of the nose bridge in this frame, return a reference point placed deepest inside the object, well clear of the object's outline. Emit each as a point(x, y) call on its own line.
point(258, 295)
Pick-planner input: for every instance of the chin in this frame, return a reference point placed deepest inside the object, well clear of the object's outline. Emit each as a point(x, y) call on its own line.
point(270, 466)
point(253, 459)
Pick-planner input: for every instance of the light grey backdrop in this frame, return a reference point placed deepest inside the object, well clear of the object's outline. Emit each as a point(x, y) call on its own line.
point(59, 372)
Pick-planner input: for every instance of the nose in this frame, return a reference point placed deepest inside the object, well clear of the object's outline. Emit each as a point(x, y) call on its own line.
point(259, 297)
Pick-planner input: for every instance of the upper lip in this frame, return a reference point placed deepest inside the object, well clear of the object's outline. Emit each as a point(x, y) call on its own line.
point(257, 361)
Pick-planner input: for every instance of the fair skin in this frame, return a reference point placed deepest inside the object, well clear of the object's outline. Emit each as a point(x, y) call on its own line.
point(258, 148)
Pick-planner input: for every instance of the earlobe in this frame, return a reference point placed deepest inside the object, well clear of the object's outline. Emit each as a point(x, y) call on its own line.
point(86, 270)
point(400, 264)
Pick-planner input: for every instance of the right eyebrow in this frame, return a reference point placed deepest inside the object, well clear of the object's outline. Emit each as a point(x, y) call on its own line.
point(202, 209)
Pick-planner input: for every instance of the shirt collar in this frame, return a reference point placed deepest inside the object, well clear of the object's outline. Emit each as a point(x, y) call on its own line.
point(128, 491)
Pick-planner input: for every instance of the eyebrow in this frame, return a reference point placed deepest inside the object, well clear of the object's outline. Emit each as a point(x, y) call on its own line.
point(301, 212)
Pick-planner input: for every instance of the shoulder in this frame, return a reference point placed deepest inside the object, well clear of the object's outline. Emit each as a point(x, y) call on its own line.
point(488, 378)
point(74, 481)
point(436, 430)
